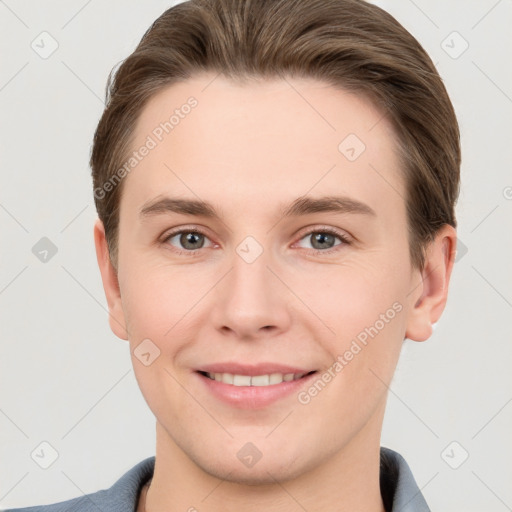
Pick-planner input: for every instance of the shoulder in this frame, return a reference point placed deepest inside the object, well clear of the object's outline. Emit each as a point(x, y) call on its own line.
point(121, 497)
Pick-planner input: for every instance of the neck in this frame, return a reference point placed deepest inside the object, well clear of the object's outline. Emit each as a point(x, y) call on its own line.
point(346, 481)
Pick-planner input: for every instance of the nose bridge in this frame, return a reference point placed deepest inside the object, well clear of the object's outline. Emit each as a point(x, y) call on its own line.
point(250, 298)
point(250, 280)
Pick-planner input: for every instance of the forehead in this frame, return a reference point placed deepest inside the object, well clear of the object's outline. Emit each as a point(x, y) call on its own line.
point(211, 136)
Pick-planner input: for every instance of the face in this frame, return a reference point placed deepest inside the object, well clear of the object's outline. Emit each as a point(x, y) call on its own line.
point(299, 263)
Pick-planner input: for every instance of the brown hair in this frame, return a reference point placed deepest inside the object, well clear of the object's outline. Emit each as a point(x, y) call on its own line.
point(350, 44)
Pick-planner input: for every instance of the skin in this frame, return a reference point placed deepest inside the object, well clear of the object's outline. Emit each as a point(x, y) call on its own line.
point(248, 149)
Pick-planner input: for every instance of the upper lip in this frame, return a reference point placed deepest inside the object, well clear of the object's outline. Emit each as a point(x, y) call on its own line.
point(252, 369)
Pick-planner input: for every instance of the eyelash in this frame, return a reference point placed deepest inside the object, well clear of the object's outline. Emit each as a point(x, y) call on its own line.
point(323, 230)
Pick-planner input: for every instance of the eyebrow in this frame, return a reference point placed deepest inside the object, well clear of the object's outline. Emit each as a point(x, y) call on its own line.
point(304, 205)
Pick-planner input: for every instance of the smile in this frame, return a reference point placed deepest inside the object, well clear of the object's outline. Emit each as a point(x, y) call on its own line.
point(268, 379)
point(244, 391)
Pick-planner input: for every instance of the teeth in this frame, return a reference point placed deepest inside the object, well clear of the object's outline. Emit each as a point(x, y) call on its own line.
point(226, 377)
point(260, 380)
point(241, 380)
point(256, 380)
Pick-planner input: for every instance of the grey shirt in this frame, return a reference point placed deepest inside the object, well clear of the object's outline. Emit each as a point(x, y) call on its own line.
point(399, 490)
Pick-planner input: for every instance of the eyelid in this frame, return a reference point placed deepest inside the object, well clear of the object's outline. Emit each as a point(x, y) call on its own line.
point(345, 238)
point(319, 228)
point(184, 229)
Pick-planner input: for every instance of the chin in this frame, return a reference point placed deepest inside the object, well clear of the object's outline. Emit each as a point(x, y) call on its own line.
point(266, 470)
point(260, 474)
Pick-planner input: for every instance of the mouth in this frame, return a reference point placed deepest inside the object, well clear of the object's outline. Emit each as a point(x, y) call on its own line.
point(256, 391)
point(263, 380)
point(253, 385)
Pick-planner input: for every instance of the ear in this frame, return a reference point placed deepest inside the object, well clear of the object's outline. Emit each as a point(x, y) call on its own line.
point(430, 297)
point(110, 283)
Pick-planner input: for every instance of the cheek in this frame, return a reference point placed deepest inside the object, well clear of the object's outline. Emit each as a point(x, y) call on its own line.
point(156, 300)
point(362, 310)
point(365, 311)
point(157, 305)
point(161, 305)
point(351, 296)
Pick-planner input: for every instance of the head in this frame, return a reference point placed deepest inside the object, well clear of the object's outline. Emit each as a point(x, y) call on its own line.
point(266, 111)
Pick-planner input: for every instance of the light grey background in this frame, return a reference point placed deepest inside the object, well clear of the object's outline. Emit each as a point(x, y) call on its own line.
point(67, 380)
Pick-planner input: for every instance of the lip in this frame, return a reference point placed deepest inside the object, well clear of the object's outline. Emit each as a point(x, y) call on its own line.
point(252, 397)
point(252, 369)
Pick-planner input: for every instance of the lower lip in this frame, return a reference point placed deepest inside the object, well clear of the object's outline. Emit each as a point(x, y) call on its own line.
point(253, 397)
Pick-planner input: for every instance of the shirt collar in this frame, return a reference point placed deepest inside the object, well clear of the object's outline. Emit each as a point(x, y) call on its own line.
point(399, 490)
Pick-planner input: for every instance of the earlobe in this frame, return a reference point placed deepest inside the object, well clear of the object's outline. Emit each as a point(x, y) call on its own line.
point(110, 283)
point(430, 298)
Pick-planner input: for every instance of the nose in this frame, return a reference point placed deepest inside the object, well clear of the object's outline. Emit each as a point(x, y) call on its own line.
point(251, 301)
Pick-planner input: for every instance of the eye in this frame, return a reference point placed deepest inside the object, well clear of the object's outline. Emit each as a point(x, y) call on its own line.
point(189, 239)
point(322, 240)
